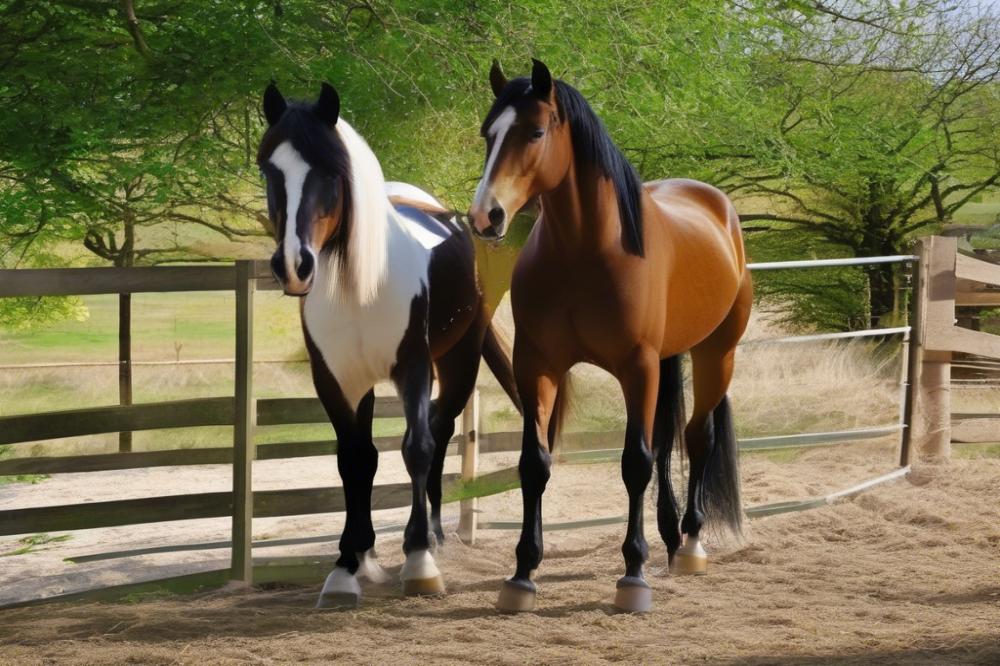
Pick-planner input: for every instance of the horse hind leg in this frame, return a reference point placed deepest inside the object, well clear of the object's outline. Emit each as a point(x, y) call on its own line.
point(714, 483)
point(669, 421)
point(457, 370)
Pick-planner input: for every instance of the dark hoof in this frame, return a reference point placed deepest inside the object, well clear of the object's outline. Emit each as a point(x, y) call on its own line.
point(341, 600)
point(517, 596)
point(633, 595)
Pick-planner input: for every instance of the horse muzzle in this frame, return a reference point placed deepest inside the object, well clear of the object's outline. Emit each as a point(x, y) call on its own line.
point(489, 223)
point(298, 281)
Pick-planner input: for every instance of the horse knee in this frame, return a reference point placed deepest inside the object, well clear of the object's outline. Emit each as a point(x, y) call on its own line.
point(418, 452)
point(534, 468)
point(637, 460)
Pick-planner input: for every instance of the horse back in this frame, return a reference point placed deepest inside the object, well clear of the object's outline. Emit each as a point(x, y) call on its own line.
point(695, 209)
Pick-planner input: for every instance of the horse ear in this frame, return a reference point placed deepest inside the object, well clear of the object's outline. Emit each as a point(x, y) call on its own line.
point(274, 104)
point(497, 78)
point(541, 80)
point(328, 105)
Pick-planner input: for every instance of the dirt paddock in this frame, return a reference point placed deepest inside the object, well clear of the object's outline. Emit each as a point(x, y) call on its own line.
point(906, 573)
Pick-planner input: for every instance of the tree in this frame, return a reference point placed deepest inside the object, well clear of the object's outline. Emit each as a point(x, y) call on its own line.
point(881, 120)
point(846, 125)
point(106, 128)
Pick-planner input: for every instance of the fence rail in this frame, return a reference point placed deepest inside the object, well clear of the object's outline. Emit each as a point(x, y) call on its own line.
point(219, 411)
point(244, 413)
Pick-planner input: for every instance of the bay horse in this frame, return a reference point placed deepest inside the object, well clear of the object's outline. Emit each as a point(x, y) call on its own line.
point(626, 276)
point(388, 292)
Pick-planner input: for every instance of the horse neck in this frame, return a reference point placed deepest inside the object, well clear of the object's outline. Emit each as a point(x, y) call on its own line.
point(581, 213)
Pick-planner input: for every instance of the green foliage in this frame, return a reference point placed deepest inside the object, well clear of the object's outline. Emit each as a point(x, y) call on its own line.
point(831, 299)
point(30, 313)
point(858, 123)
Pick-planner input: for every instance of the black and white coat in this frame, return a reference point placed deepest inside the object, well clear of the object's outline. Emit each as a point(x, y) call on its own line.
point(390, 295)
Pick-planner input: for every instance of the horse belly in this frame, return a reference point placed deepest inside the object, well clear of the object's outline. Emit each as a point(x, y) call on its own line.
point(701, 290)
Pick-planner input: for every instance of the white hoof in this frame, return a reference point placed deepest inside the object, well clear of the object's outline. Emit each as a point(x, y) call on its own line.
point(369, 568)
point(341, 590)
point(691, 559)
point(420, 575)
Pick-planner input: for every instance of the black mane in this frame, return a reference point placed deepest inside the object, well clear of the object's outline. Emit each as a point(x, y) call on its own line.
point(322, 148)
point(592, 145)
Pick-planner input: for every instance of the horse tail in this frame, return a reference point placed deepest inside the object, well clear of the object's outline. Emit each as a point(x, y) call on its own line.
point(668, 423)
point(560, 409)
point(496, 353)
point(723, 507)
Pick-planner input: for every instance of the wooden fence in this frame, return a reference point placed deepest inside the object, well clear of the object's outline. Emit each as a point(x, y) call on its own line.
point(241, 411)
point(929, 339)
point(947, 279)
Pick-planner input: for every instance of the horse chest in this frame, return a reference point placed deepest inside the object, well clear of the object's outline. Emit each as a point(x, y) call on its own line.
point(360, 343)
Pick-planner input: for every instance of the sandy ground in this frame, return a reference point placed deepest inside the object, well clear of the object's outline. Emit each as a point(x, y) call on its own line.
point(906, 573)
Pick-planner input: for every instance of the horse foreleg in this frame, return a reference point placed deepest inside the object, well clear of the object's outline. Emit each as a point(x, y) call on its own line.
point(357, 461)
point(640, 383)
point(537, 385)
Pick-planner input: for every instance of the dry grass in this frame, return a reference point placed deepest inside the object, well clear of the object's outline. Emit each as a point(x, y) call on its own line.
point(776, 389)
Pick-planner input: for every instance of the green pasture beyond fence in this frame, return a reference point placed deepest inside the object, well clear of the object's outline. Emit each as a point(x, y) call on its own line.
point(243, 412)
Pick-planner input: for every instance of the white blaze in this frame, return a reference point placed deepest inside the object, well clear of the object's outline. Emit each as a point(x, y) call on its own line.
point(498, 130)
point(294, 169)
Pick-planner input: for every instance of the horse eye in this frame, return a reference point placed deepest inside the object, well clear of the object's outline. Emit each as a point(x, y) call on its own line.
point(537, 134)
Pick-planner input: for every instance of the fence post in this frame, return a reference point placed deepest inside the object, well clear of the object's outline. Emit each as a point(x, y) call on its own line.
point(932, 383)
point(470, 468)
point(125, 364)
point(245, 415)
point(910, 363)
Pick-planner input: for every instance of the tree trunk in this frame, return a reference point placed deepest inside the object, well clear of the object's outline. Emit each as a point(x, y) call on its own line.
point(882, 290)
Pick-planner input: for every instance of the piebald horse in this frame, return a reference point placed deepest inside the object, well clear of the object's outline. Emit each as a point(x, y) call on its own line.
point(388, 292)
point(626, 276)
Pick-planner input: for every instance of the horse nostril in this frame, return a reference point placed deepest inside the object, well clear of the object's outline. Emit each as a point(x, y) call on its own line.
point(278, 267)
point(497, 216)
point(306, 267)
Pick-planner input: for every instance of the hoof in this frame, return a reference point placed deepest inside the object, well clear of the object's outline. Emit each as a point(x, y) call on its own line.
point(420, 575)
point(690, 559)
point(516, 596)
point(341, 590)
point(424, 587)
point(369, 568)
point(633, 595)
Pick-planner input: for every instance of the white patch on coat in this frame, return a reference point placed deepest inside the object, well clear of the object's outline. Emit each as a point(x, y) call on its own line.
point(498, 131)
point(366, 247)
point(407, 191)
point(359, 341)
point(358, 321)
point(294, 169)
point(425, 236)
